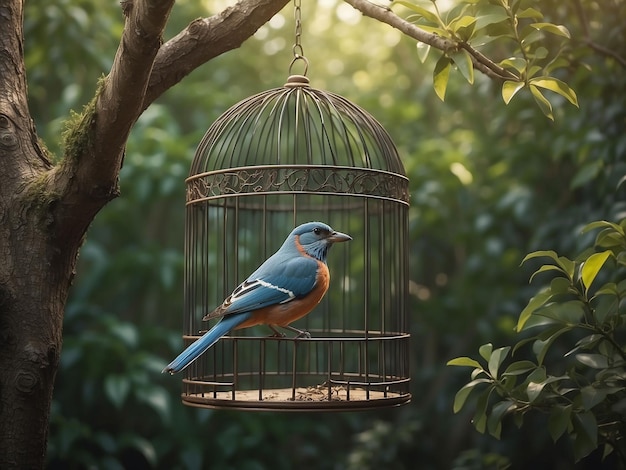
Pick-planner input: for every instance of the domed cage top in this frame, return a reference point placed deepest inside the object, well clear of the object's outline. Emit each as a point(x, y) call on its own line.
point(271, 162)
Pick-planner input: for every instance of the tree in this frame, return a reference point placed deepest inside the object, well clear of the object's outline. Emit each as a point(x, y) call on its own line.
point(49, 202)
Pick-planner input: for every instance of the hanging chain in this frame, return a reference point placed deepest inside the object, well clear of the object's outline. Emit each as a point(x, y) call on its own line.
point(298, 51)
point(297, 15)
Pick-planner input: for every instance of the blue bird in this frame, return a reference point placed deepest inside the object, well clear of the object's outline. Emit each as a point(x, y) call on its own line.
point(286, 287)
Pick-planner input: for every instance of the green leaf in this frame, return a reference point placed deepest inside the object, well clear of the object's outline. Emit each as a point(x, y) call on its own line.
point(602, 224)
point(585, 343)
point(540, 53)
point(608, 450)
point(559, 421)
point(463, 361)
point(561, 285)
point(422, 51)
point(509, 89)
point(530, 13)
point(586, 173)
point(441, 74)
point(534, 389)
point(463, 27)
point(127, 333)
point(544, 268)
point(480, 415)
point(591, 396)
point(494, 422)
point(516, 63)
point(485, 351)
point(116, 388)
point(157, 398)
point(519, 368)
point(477, 371)
point(421, 11)
point(532, 71)
point(495, 360)
point(493, 16)
point(557, 86)
point(530, 36)
point(569, 313)
point(552, 28)
point(586, 432)
point(541, 346)
point(605, 310)
point(461, 396)
point(595, 361)
point(463, 61)
point(542, 321)
point(542, 102)
point(591, 267)
point(566, 265)
point(540, 253)
point(537, 301)
point(609, 238)
point(537, 375)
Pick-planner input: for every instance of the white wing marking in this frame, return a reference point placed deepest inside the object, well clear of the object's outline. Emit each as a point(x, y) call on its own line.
point(280, 289)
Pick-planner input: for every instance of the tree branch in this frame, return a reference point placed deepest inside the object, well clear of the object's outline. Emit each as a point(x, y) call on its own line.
point(143, 69)
point(385, 15)
point(119, 104)
point(588, 40)
point(205, 39)
point(87, 178)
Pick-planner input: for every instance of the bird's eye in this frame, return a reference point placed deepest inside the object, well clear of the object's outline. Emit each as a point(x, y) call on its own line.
point(317, 230)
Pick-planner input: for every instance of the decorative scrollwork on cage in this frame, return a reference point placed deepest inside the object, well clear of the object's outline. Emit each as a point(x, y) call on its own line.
point(297, 179)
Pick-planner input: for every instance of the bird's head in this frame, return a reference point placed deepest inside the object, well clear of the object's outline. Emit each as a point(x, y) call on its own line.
point(316, 238)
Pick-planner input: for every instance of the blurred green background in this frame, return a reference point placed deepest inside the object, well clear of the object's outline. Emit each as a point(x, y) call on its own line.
point(489, 183)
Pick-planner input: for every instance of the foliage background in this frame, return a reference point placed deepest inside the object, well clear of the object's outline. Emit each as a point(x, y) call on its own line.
point(489, 183)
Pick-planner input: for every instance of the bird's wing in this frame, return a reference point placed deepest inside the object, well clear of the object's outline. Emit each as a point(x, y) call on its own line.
point(279, 281)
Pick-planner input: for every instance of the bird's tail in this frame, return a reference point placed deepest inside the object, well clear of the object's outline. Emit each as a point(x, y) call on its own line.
point(211, 337)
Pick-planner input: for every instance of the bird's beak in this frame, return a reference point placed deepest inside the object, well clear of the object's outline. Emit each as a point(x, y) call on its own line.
point(337, 237)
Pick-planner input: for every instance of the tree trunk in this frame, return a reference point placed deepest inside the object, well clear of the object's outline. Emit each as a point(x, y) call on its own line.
point(46, 209)
point(34, 281)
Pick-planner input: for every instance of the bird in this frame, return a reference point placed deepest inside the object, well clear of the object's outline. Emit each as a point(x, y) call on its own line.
point(286, 287)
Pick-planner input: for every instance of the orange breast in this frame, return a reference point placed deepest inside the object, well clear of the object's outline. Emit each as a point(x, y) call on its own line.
point(284, 314)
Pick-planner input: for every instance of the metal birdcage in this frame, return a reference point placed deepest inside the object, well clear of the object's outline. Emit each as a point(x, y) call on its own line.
point(280, 158)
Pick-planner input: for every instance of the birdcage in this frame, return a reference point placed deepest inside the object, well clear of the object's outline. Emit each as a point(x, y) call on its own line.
point(286, 156)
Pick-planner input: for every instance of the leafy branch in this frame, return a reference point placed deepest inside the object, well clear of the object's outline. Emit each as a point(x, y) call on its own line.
point(582, 309)
point(460, 32)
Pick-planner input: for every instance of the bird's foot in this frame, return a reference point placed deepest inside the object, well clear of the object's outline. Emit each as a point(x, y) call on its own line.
point(276, 334)
point(299, 333)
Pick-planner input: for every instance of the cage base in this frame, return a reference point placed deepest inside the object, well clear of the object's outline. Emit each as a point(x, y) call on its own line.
point(299, 399)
